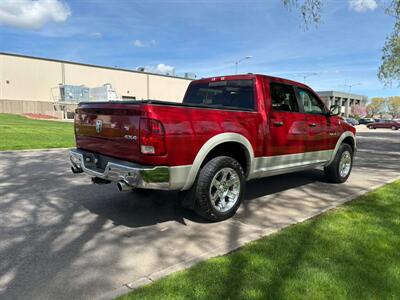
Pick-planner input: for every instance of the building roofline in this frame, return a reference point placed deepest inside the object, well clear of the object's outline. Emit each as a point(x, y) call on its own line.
point(91, 65)
point(341, 92)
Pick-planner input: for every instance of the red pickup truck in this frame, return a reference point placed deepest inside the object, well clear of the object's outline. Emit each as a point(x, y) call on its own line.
point(227, 130)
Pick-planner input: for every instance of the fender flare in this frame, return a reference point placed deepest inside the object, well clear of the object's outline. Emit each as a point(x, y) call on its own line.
point(210, 145)
point(339, 142)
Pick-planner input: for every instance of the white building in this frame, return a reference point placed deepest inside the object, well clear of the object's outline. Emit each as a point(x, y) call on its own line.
point(343, 99)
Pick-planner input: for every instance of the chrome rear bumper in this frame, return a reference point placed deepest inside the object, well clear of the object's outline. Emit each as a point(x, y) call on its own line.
point(113, 170)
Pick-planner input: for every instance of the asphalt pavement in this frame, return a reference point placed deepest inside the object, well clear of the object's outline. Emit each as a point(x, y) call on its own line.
point(63, 238)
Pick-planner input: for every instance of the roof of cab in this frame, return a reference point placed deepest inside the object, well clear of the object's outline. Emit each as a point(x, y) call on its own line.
point(251, 76)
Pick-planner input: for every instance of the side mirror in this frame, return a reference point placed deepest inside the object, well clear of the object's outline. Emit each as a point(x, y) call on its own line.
point(335, 110)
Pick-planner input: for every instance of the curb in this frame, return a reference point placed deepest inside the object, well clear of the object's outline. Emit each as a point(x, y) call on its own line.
point(128, 287)
point(34, 150)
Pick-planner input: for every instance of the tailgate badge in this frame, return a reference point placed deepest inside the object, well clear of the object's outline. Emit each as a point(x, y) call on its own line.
point(130, 137)
point(99, 126)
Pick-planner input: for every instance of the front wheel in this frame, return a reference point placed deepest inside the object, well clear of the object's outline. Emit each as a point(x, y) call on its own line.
point(339, 170)
point(394, 128)
point(219, 189)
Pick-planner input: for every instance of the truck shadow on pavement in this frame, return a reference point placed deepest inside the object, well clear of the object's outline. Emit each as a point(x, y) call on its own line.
point(145, 208)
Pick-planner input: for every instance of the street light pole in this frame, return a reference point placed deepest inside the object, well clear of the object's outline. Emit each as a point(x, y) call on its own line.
point(240, 60)
point(305, 76)
point(350, 85)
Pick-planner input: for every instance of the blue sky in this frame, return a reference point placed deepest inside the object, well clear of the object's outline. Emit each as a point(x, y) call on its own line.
point(206, 37)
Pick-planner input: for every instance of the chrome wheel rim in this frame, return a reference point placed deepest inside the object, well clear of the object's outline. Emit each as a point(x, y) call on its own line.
point(225, 189)
point(345, 164)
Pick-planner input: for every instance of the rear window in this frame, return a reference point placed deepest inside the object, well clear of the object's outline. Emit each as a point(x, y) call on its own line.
point(229, 93)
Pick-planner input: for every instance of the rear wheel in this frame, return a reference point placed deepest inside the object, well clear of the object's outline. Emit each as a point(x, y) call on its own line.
point(340, 168)
point(219, 189)
point(394, 128)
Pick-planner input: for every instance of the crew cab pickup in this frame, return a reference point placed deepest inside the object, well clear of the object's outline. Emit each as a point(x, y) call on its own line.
point(226, 131)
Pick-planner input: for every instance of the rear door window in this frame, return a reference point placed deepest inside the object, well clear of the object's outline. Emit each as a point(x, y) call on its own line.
point(283, 97)
point(227, 93)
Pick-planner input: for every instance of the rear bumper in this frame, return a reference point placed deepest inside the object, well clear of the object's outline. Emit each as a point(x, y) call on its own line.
point(114, 170)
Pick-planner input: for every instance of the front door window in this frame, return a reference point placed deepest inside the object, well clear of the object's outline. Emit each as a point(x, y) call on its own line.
point(311, 104)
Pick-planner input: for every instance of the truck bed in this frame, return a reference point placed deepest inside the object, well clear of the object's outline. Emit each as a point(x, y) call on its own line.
point(167, 103)
point(185, 125)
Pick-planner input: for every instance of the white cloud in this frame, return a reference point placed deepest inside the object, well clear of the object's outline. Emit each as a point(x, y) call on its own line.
point(162, 68)
point(138, 43)
point(30, 14)
point(95, 35)
point(141, 44)
point(362, 5)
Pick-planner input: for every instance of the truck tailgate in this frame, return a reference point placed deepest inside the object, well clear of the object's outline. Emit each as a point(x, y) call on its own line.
point(107, 129)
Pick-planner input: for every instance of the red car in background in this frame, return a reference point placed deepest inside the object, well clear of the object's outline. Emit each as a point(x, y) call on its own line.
point(394, 125)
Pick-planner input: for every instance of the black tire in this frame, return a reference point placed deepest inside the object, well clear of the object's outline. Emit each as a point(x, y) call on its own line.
point(394, 128)
point(332, 171)
point(369, 127)
point(203, 203)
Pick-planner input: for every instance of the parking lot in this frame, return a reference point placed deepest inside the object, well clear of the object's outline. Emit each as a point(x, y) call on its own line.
point(64, 238)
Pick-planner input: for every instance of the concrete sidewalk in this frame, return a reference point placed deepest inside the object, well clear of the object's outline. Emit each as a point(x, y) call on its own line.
point(63, 238)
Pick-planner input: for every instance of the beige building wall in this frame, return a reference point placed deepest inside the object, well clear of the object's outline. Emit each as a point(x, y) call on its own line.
point(162, 88)
point(37, 80)
point(28, 79)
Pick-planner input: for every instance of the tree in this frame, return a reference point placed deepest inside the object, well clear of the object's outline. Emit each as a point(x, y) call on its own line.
point(310, 10)
point(389, 71)
point(376, 106)
point(358, 111)
point(393, 106)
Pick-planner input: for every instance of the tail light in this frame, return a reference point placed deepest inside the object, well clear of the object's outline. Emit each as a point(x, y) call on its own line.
point(152, 137)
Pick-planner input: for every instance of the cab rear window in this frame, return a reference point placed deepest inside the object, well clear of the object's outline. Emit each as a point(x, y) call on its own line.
point(228, 93)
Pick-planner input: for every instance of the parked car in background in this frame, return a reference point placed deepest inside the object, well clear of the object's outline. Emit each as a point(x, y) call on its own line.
point(366, 121)
point(377, 120)
point(351, 121)
point(228, 130)
point(385, 124)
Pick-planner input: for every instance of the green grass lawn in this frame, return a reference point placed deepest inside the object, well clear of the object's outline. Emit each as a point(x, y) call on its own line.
point(352, 252)
point(18, 132)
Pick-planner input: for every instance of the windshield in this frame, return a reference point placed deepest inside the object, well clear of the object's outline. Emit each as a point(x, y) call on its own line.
point(228, 93)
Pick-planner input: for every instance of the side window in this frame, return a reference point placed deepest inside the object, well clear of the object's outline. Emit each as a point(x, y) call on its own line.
point(311, 104)
point(283, 97)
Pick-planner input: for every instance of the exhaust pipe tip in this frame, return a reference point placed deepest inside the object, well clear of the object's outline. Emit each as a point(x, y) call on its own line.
point(76, 170)
point(123, 186)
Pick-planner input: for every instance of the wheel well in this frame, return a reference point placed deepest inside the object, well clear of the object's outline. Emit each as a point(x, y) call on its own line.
point(350, 141)
point(232, 149)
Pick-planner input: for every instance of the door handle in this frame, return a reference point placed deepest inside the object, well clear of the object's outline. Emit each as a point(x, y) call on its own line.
point(312, 124)
point(278, 123)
